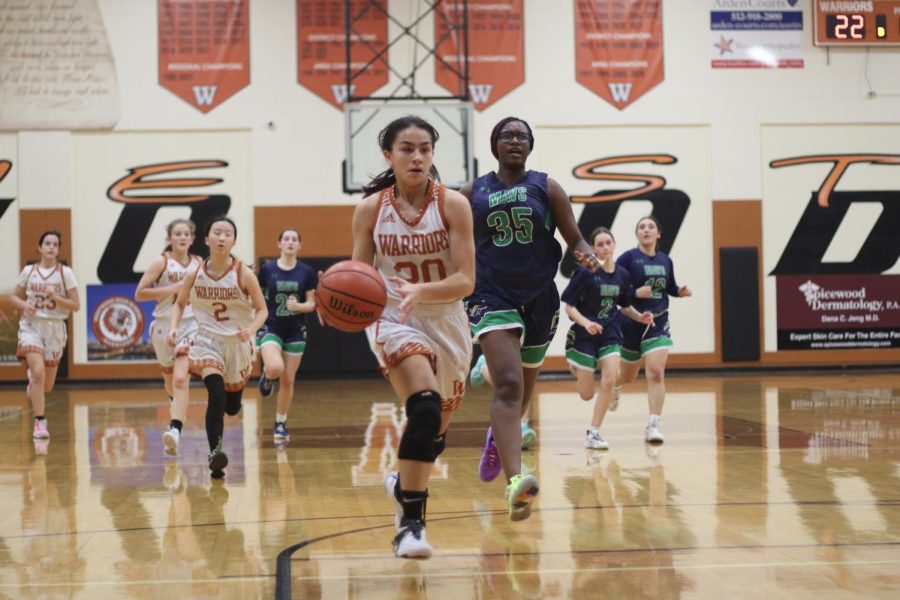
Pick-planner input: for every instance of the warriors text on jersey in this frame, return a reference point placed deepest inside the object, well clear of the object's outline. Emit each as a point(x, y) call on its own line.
point(414, 250)
point(654, 271)
point(173, 273)
point(39, 282)
point(516, 253)
point(220, 305)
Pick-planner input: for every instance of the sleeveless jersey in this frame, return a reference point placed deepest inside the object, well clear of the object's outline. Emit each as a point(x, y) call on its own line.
point(417, 250)
point(655, 271)
point(278, 285)
point(220, 305)
point(173, 273)
point(38, 284)
point(516, 254)
point(598, 295)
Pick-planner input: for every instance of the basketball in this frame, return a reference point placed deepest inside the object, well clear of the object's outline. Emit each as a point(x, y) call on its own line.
point(350, 296)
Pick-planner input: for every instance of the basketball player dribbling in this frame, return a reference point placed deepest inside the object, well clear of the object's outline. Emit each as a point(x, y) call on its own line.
point(162, 282)
point(229, 308)
point(418, 235)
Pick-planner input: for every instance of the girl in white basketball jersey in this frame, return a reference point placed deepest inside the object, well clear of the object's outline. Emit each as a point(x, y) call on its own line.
point(45, 294)
point(161, 282)
point(229, 308)
point(418, 234)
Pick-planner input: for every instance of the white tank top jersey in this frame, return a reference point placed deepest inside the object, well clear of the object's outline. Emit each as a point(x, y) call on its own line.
point(39, 282)
point(415, 250)
point(173, 273)
point(220, 305)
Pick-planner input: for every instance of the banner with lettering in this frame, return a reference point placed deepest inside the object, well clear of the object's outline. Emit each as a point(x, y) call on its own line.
point(322, 50)
point(756, 34)
point(204, 50)
point(831, 212)
point(496, 49)
point(56, 66)
point(619, 48)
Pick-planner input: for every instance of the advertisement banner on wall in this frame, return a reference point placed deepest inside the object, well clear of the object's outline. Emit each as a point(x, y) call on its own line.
point(838, 311)
point(118, 327)
point(322, 48)
point(496, 49)
point(204, 50)
point(832, 256)
point(752, 34)
point(619, 48)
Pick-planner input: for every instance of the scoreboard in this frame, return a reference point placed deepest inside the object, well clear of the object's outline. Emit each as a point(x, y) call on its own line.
point(856, 22)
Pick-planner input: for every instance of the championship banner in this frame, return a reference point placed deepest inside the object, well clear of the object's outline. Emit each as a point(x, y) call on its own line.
point(618, 50)
point(751, 34)
point(832, 255)
point(496, 49)
point(322, 51)
point(118, 327)
point(204, 50)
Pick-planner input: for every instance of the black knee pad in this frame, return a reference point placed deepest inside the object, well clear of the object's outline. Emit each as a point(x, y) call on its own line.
point(423, 423)
point(233, 402)
point(440, 443)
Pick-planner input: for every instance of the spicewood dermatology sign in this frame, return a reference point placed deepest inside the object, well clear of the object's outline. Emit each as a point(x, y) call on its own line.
point(822, 312)
point(832, 252)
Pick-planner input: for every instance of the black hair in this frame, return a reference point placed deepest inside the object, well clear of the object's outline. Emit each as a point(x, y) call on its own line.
point(215, 220)
point(495, 133)
point(598, 230)
point(50, 232)
point(283, 231)
point(386, 139)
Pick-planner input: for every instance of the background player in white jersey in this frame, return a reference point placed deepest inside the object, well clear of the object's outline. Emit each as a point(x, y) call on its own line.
point(161, 282)
point(418, 234)
point(229, 308)
point(45, 294)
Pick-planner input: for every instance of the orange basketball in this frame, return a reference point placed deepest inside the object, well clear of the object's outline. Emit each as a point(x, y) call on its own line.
point(350, 295)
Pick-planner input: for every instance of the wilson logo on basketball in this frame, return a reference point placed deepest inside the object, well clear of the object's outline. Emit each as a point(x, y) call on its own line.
point(118, 322)
point(349, 309)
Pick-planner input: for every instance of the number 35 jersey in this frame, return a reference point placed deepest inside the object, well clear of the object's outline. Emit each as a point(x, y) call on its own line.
point(220, 304)
point(516, 255)
point(416, 250)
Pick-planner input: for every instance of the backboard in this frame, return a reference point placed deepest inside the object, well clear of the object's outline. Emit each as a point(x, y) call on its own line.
point(453, 152)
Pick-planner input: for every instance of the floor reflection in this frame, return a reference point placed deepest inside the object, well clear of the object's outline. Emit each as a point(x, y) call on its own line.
point(783, 485)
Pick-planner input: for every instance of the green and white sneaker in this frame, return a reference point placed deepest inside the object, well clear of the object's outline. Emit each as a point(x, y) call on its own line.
point(520, 493)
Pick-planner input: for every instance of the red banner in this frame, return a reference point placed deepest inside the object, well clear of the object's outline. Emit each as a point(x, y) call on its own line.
point(204, 50)
point(618, 48)
point(827, 312)
point(322, 52)
point(496, 49)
